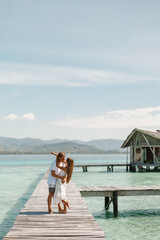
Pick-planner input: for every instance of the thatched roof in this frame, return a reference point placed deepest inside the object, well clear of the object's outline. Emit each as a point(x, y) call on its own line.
point(154, 134)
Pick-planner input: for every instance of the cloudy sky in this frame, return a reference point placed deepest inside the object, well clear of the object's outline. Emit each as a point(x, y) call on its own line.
point(79, 69)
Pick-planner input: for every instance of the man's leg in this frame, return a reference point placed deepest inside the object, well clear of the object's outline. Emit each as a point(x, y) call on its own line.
point(49, 200)
point(50, 196)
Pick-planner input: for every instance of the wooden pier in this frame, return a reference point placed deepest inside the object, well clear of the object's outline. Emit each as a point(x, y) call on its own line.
point(34, 222)
point(111, 194)
point(109, 166)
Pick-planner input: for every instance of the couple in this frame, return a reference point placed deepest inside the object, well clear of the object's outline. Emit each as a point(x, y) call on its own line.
point(60, 172)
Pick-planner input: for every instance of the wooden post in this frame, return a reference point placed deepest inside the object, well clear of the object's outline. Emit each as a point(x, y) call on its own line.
point(115, 203)
point(127, 161)
point(84, 169)
point(106, 202)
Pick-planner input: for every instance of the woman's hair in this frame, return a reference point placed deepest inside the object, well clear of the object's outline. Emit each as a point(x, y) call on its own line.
point(70, 164)
point(60, 155)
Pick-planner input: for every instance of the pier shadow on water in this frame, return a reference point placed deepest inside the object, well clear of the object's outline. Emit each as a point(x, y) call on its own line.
point(8, 222)
point(128, 214)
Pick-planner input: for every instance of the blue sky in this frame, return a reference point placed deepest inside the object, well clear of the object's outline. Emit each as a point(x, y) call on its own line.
point(79, 69)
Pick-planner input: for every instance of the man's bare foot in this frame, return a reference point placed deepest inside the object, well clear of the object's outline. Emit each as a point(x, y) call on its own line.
point(50, 212)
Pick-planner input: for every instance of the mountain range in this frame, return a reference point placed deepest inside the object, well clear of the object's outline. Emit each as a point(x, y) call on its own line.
point(38, 146)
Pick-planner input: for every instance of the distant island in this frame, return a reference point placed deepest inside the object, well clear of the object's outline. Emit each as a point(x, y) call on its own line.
point(38, 146)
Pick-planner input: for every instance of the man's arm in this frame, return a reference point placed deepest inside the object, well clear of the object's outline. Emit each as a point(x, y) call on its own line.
point(56, 176)
point(56, 154)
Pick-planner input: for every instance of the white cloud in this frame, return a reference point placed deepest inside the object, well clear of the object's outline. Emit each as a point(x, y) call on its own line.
point(12, 117)
point(27, 74)
point(140, 117)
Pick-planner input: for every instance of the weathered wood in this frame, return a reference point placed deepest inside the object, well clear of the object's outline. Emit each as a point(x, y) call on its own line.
point(108, 165)
point(34, 222)
point(102, 165)
point(115, 203)
point(107, 191)
point(107, 202)
point(114, 192)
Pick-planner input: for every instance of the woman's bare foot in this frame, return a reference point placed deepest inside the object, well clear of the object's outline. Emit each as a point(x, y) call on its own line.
point(62, 211)
point(66, 203)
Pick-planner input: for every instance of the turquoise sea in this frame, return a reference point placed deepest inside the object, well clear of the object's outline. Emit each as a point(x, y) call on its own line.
point(138, 218)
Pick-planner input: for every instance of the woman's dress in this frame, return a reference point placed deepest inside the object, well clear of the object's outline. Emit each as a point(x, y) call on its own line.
point(60, 190)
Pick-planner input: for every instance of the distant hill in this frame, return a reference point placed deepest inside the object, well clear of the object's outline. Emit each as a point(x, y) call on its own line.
point(103, 144)
point(38, 146)
point(106, 144)
point(67, 147)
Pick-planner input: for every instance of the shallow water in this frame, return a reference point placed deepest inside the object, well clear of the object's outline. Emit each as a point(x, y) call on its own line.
point(138, 216)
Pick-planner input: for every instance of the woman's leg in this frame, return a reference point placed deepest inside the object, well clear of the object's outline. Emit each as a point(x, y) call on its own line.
point(60, 208)
point(64, 211)
point(66, 203)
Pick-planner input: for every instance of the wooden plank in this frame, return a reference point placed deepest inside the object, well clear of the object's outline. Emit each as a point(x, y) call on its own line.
point(114, 192)
point(107, 191)
point(115, 203)
point(106, 202)
point(103, 165)
point(34, 222)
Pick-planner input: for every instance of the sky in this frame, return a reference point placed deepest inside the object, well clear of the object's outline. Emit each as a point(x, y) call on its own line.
point(79, 69)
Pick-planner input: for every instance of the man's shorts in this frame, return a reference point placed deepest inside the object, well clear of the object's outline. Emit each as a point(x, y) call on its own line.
point(51, 188)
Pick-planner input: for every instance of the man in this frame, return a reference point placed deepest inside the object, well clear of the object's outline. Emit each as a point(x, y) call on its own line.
point(53, 175)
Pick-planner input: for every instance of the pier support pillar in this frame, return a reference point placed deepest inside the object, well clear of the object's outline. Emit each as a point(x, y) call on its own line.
point(106, 202)
point(127, 168)
point(115, 203)
point(109, 168)
point(84, 169)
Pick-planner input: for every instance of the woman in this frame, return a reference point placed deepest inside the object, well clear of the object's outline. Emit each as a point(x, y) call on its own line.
point(60, 190)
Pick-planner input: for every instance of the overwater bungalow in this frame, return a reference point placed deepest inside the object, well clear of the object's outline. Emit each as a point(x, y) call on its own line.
point(144, 149)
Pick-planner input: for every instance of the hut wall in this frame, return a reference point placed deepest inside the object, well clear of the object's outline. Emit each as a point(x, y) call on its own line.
point(142, 151)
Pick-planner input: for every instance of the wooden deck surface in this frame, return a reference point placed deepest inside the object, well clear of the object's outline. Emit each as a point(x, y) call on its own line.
point(102, 191)
point(102, 165)
point(108, 165)
point(34, 222)
point(111, 194)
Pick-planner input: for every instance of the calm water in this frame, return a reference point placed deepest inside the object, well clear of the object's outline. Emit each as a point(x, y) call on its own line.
point(138, 216)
